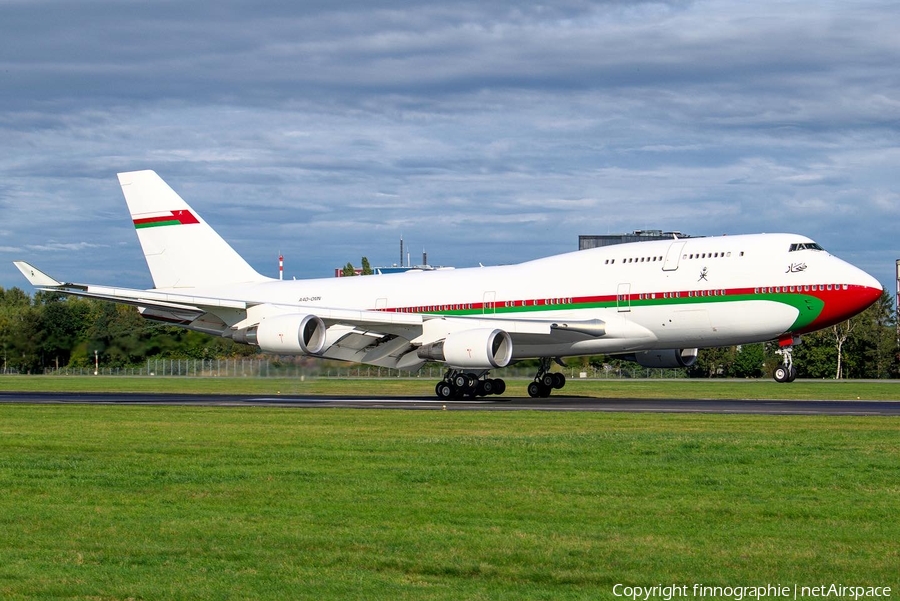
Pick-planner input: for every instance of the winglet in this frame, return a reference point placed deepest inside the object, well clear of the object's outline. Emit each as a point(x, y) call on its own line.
point(35, 276)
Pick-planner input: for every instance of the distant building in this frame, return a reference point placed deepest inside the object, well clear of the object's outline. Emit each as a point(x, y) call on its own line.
point(339, 271)
point(585, 242)
point(405, 268)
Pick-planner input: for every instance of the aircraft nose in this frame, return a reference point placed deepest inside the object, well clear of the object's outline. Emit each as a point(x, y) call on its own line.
point(843, 301)
point(867, 282)
point(871, 292)
point(873, 284)
point(861, 293)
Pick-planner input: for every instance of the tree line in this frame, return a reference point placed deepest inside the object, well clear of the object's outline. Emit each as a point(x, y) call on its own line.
point(349, 270)
point(49, 330)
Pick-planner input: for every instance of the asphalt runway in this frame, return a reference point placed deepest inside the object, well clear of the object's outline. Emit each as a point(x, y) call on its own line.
point(553, 403)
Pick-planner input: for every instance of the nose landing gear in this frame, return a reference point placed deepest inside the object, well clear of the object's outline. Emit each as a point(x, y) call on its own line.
point(786, 372)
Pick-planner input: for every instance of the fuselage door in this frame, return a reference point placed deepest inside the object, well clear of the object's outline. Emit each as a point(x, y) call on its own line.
point(623, 298)
point(672, 256)
point(488, 302)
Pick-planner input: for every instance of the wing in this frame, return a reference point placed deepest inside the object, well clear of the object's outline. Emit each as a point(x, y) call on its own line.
point(382, 338)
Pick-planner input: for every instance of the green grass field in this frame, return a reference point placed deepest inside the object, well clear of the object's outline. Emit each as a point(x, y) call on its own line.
point(681, 388)
point(111, 502)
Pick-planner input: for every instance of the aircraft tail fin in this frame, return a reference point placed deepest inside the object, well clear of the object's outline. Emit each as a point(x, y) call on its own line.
point(181, 249)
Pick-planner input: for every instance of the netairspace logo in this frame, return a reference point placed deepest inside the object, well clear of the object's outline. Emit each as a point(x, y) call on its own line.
point(668, 592)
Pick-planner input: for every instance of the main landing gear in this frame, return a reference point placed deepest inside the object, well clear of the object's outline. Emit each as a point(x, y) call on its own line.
point(457, 384)
point(544, 381)
point(786, 372)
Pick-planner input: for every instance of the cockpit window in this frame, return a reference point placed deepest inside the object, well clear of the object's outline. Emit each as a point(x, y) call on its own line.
point(805, 246)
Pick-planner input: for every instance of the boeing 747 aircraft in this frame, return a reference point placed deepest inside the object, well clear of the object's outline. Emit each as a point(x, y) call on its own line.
point(655, 303)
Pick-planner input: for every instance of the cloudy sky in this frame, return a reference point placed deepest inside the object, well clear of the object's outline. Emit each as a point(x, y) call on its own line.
point(486, 131)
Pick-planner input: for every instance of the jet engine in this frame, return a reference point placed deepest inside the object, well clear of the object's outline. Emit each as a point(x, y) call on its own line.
point(287, 334)
point(476, 349)
point(665, 358)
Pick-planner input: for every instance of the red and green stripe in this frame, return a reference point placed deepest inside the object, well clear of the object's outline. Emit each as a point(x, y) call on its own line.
point(181, 217)
point(815, 309)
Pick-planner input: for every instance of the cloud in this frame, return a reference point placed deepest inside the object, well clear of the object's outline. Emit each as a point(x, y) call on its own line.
point(63, 247)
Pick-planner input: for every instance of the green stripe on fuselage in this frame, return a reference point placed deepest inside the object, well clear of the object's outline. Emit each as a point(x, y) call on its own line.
point(808, 307)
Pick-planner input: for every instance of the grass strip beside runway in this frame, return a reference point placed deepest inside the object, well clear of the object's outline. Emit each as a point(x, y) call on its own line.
point(880, 390)
point(103, 502)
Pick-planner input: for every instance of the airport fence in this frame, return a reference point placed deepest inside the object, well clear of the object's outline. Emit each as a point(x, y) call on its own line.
point(266, 368)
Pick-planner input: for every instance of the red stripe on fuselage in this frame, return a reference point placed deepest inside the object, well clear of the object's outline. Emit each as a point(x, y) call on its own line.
point(841, 302)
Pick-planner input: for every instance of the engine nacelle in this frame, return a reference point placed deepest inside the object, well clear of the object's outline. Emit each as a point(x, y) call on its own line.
point(287, 334)
point(476, 349)
point(665, 358)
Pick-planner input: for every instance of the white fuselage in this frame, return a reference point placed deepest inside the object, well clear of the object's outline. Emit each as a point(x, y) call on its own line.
point(697, 292)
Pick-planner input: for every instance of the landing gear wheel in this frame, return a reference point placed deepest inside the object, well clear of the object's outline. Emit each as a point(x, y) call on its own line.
point(559, 380)
point(458, 384)
point(782, 374)
point(544, 381)
point(538, 390)
point(786, 372)
point(445, 390)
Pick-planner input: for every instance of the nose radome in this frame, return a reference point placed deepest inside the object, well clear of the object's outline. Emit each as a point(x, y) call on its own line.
point(865, 279)
point(858, 292)
point(865, 290)
point(871, 294)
